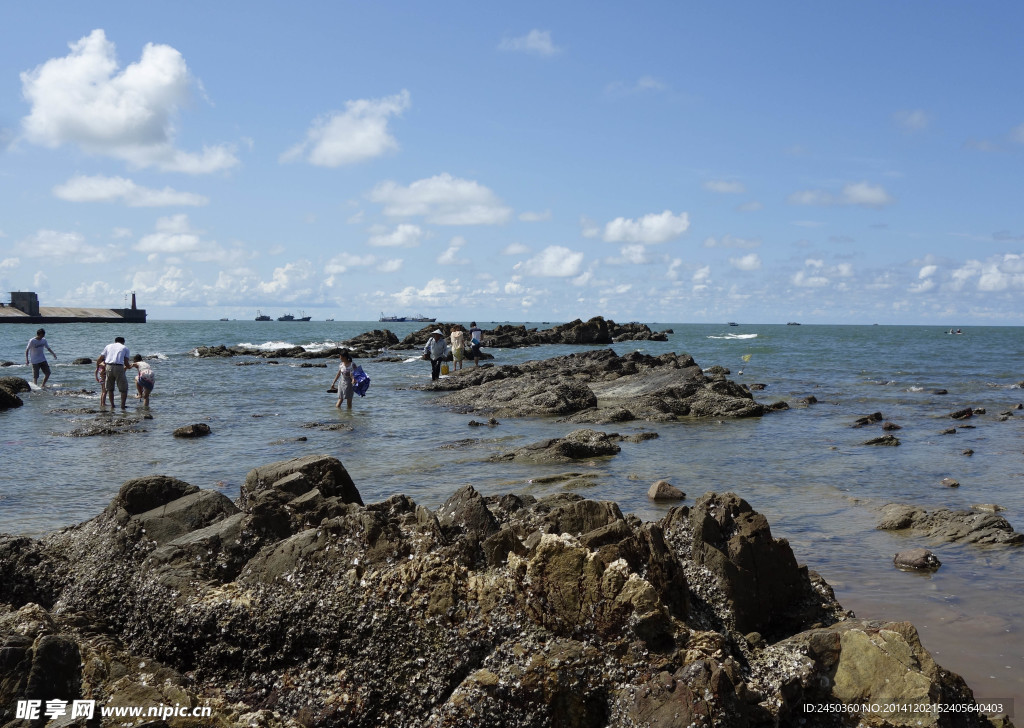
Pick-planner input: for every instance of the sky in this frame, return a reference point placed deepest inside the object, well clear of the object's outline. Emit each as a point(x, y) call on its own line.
point(840, 162)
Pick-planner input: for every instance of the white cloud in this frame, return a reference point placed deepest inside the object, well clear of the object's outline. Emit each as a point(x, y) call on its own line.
point(804, 279)
point(554, 261)
point(390, 266)
point(451, 255)
point(403, 236)
point(751, 261)
point(858, 193)
point(289, 281)
point(535, 216)
point(435, 292)
point(130, 114)
point(515, 249)
point(342, 262)
point(927, 271)
point(725, 187)
point(442, 200)
point(9, 263)
point(649, 229)
point(536, 42)
point(635, 254)
point(67, 248)
point(914, 120)
point(731, 241)
point(111, 189)
point(922, 287)
point(355, 135)
point(702, 275)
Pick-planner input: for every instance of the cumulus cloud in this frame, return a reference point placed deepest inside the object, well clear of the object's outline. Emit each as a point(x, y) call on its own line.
point(702, 275)
point(912, 120)
point(515, 249)
point(649, 229)
point(354, 135)
point(389, 266)
point(805, 279)
point(403, 236)
point(554, 261)
point(435, 292)
point(67, 248)
point(112, 189)
point(173, 236)
point(724, 187)
point(451, 255)
point(85, 99)
point(858, 193)
point(535, 216)
point(751, 261)
point(536, 43)
point(442, 200)
point(290, 281)
point(9, 263)
point(342, 262)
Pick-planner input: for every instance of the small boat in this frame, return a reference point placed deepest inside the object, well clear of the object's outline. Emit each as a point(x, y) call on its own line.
point(733, 323)
point(260, 316)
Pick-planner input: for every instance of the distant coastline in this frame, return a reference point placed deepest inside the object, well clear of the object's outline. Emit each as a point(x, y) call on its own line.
point(24, 308)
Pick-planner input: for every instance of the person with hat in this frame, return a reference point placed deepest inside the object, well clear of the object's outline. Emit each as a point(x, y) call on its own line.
point(435, 351)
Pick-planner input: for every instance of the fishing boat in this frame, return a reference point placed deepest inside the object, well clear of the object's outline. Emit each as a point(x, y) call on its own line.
point(391, 319)
point(286, 317)
point(303, 316)
point(733, 323)
point(260, 316)
point(329, 319)
point(421, 318)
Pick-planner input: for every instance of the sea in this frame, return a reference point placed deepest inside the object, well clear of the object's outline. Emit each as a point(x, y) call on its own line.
point(805, 468)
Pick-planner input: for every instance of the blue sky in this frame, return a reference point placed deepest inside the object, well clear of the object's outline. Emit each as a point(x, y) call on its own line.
point(662, 161)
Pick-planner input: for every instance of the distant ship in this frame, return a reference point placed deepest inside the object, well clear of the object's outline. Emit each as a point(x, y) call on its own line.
point(289, 317)
point(733, 323)
point(224, 319)
point(399, 319)
point(329, 319)
point(260, 316)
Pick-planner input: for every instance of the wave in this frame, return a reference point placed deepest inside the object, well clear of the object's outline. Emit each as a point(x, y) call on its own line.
point(734, 336)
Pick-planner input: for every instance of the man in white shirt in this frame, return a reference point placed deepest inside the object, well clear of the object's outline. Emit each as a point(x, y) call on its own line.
point(35, 354)
point(116, 357)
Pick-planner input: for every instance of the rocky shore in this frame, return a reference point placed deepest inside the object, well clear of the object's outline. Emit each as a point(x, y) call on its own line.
point(298, 605)
point(600, 387)
point(379, 342)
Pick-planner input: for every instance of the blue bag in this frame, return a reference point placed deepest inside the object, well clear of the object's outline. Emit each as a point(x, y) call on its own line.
point(360, 382)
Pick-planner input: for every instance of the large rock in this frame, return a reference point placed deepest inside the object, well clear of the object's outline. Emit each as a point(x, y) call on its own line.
point(577, 445)
point(598, 387)
point(596, 331)
point(505, 611)
point(944, 525)
point(300, 475)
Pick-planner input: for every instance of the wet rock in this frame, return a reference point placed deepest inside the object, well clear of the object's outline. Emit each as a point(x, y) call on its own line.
point(9, 400)
point(948, 431)
point(884, 441)
point(595, 331)
point(598, 386)
point(968, 452)
point(810, 399)
point(950, 482)
point(937, 391)
point(108, 425)
point(577, 445)
point(962, 414)
point(14, 385)
point(491, 422)
point(663, 490)
point(944, 525)
point(199, 429)
point(890, 426)
point(987, 507)
point(304, 610)
point(916, 560)
point(82, 360)
point(868, 420)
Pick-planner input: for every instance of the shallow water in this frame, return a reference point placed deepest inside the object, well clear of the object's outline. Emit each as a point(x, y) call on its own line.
point(805, 468)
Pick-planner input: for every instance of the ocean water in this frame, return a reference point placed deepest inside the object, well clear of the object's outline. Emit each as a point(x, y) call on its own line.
point(804, 468)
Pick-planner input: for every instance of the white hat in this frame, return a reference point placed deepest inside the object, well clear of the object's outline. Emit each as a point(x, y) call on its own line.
point(437, 331)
